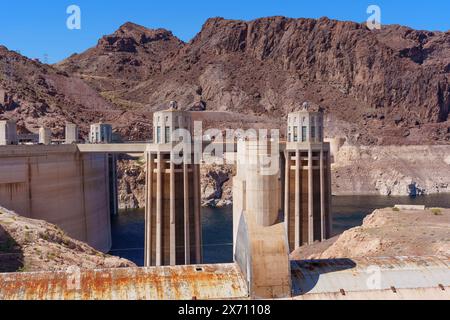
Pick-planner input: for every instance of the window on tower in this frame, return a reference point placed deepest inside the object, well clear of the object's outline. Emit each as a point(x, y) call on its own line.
point(167, 134)
point(158, 134)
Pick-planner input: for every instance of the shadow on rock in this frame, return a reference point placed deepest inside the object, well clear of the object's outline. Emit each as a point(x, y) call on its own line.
point(11, 255)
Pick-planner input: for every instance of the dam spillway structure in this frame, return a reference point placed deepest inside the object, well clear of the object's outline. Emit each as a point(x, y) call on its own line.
point(173, 218)
point(307, 189)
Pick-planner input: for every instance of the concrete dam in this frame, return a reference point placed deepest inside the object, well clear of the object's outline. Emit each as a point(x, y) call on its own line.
point(75, 186)
point(275, 212)
point(61, 185)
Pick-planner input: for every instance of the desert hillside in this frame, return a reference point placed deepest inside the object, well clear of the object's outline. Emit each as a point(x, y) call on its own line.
point(388, 233)
point(35, 94)
point(28, 245)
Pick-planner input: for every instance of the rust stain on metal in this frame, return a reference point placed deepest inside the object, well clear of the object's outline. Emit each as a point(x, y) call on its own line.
point(340, 278)
point(221, 281)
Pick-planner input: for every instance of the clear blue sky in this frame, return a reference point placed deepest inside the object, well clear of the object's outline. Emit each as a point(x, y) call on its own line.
point(37, 28)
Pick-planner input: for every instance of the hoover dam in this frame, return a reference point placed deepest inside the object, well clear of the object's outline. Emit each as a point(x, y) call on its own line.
point(277, 211)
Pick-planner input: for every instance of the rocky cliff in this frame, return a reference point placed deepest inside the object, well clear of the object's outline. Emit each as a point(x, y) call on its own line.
point(28, 245)
point(388, 233)
point(216, 183)
point(391, 170)
point(215, 180)
point(131, 184)
point(123, 60)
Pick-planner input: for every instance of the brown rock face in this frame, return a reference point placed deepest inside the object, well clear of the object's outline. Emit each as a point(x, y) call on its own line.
point(35, 94)
point(123, 59)
point(365, 80)
point(131, 185)
point(216, 185)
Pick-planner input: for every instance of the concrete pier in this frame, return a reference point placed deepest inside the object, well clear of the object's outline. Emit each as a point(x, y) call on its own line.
point(71, 133)
point(8, 133)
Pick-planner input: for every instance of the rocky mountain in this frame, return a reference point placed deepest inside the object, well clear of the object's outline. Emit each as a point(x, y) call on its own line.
point(389, 86)
point(35, 94)
point(123, 60)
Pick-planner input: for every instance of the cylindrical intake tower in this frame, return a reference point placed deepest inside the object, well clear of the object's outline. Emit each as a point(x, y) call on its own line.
point(172, 214)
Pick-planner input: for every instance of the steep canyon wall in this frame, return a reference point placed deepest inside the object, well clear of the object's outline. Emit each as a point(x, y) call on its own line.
point(391, 170)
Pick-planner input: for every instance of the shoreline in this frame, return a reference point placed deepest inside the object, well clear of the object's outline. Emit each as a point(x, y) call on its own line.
point(334, 196)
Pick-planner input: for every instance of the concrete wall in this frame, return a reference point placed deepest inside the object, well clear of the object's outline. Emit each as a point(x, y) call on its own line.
point(59, 185)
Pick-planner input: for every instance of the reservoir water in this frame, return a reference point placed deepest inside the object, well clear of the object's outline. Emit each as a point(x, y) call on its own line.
point(217, 224)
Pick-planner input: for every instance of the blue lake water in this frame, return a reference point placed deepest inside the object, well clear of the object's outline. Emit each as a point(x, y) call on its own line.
point(217, 224)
